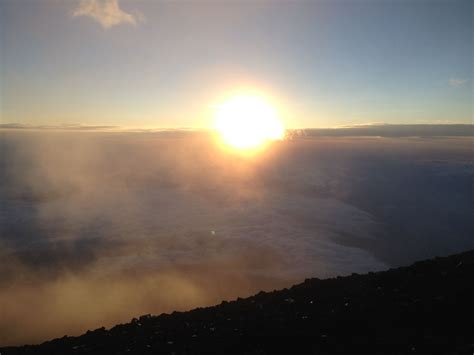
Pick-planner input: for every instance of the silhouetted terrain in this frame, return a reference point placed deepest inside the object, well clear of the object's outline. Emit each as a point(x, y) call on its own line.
point(424, 308)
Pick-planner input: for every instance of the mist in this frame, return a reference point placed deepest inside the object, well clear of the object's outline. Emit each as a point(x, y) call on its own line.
point(99, 227)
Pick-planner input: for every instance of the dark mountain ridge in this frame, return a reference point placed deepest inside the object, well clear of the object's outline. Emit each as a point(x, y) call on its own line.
point(427, 308)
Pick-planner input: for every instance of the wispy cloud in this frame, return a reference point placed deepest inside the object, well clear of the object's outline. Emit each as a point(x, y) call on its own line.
point(106, 12)
point(457, 82)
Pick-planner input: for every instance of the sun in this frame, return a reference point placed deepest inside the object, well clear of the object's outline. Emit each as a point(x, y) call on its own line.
point(247, 122)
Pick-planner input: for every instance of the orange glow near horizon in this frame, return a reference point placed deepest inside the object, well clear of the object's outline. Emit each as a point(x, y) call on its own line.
point(246, 122)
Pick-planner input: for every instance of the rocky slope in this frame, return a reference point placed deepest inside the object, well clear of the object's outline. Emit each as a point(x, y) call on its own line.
point(424, 308)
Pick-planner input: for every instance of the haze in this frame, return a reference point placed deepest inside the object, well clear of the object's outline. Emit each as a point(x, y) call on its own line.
point(97, 228)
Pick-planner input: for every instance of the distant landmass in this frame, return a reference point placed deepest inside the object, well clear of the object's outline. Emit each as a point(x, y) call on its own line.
point(424, 308)
point(396, 130)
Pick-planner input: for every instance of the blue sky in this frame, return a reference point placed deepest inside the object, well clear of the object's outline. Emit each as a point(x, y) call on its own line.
point(164, 64)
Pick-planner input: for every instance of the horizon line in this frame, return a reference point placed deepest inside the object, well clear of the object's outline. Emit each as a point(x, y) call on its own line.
point(119, 128)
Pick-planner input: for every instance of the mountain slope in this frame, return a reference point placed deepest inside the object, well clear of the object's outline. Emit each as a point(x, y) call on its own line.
point(424, 308)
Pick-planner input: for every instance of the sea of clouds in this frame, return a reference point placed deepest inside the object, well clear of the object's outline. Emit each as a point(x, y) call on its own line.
point(96, 227)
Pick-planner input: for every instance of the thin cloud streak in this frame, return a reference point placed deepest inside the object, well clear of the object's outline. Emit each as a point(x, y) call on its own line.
point(457, 82)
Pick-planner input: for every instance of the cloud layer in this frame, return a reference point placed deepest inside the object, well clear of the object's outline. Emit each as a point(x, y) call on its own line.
point(106, 12)
point(99, 227)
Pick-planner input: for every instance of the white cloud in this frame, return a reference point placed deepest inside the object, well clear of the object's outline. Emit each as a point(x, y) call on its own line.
point(107, 12)
point(457, 82)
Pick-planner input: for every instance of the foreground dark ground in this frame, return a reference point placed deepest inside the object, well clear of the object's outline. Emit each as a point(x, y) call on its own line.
point(424, 308)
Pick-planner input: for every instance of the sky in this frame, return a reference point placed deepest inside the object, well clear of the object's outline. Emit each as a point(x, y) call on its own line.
point(168, 63)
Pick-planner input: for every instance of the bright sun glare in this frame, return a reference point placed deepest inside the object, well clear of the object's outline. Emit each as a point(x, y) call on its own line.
point(247, 122)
